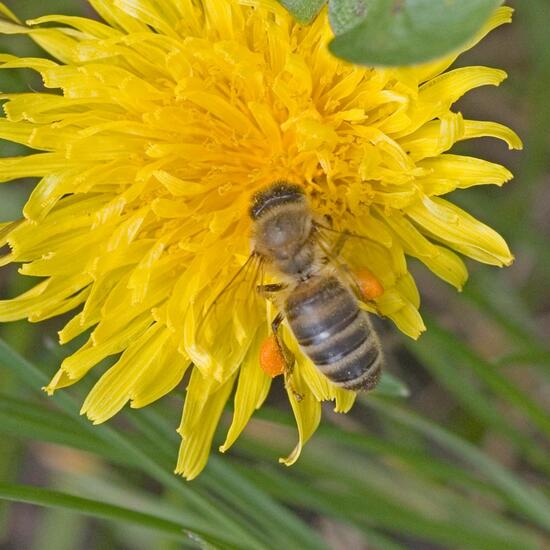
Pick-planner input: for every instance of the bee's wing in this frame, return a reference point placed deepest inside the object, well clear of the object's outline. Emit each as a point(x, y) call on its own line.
point(332, 242)
point(228, 323)
point(335, 236)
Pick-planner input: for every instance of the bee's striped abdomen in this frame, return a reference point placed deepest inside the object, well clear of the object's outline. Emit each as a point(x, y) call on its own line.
point(335, 333)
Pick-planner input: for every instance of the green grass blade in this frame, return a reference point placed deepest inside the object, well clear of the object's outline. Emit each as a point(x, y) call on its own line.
point(382, 484)
point(25, 419)
point(146, 458)
point(94, 508)
point(281, 526)
point(447, 359)
point(391, 386)
point(369, 443)
point(528, 357)
point(368, 508)
point(532, 502)
point(249, 499)
point(493, 377)
point(502, 304)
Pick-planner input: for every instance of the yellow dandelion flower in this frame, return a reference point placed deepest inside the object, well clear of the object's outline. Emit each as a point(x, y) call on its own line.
point(160, 125)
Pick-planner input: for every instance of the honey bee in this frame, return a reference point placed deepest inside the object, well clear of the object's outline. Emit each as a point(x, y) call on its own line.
point(315, 292)
point(314, 296)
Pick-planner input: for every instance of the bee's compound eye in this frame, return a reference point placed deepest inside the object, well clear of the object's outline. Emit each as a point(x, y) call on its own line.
point(271, 358)
point(371, 288)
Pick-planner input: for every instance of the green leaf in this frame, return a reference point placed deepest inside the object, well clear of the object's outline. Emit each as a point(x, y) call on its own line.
point(303, 10)
point(404, 32)
point(344, 15)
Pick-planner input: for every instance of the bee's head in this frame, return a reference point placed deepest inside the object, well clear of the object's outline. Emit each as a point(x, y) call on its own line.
point(278, 193)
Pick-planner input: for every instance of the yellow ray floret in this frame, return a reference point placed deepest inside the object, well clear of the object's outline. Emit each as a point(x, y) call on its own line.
point(155, 128)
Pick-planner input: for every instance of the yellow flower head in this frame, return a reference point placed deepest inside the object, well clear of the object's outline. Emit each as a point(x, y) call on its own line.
point(160, 126)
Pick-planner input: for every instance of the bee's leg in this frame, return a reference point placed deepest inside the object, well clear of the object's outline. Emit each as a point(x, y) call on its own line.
point(287, 355)
point(334, 252)
point(267, 291)
point(339, 244)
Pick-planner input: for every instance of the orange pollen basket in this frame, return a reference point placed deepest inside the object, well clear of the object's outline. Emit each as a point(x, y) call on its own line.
point(271, 358)
point(370, 286)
